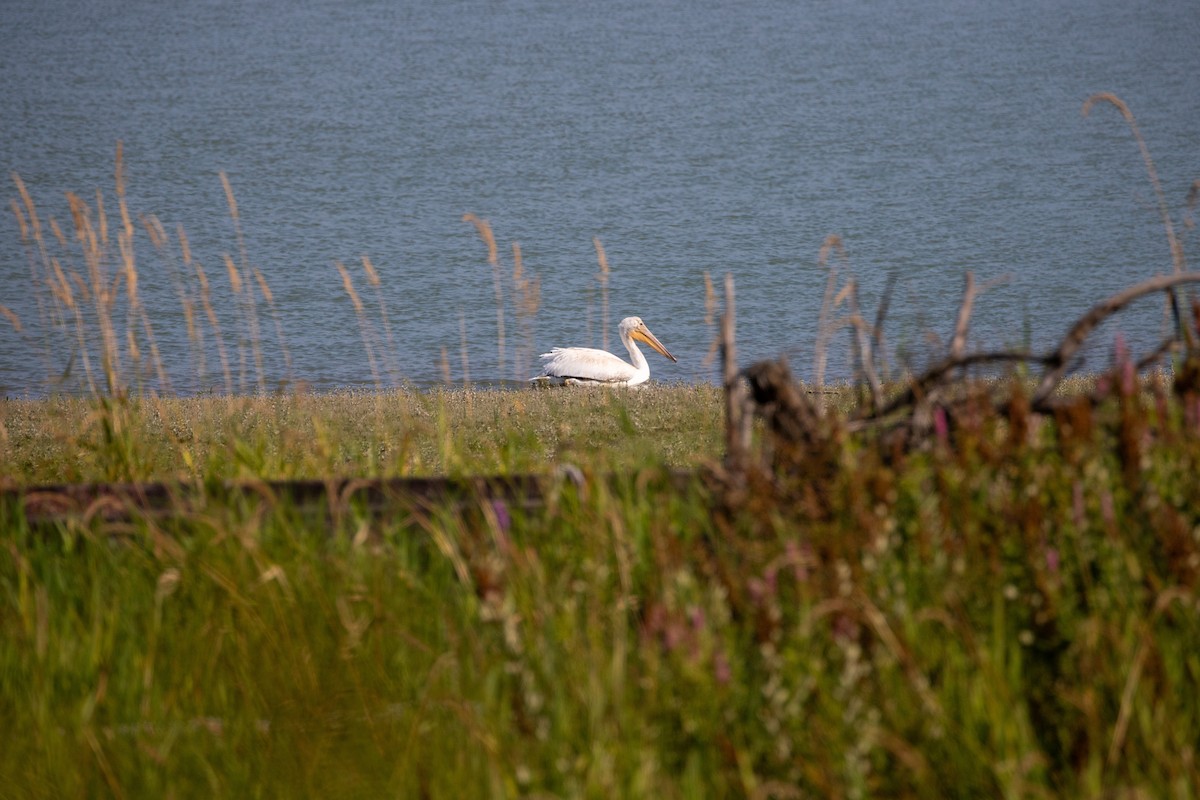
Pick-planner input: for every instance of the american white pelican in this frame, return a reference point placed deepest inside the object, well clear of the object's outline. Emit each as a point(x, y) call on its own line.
point(590, 367)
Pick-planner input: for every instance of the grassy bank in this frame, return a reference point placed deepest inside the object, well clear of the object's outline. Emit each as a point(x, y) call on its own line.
point(1010, 611)
point(365, 434)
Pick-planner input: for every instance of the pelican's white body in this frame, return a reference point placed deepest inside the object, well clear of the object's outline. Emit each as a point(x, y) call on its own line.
point(587, 366)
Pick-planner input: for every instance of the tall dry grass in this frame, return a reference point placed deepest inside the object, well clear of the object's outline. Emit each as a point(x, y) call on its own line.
point(96, 332)
point(602, 279)
point(524, 296)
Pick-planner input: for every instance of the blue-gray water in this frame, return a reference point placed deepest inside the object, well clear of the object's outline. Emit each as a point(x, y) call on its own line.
point(932, 137)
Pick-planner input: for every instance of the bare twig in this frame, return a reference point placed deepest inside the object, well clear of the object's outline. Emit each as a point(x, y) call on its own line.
point(923, 385)
point(825, 322)
point(1119, 104)
point(863, 337)
point(1173, 241)
point(1058, 360)
point(959, 343)
point(880, 314)
point(484, 229)
point(1154, 356)
point(735, 447)
point(602, 258)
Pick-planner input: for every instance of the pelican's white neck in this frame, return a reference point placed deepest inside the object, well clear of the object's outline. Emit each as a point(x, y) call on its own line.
point(635, 356)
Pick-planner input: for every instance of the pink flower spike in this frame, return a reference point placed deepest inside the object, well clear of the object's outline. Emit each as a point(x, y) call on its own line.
point(1052, 559)
point(941, 425)
point(796, 556)
point(721, 669)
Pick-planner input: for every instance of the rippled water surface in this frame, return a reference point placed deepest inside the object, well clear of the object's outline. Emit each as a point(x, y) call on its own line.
point(690, 137)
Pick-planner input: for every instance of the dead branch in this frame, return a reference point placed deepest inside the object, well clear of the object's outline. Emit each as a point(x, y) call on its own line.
point(959, 342)
point(790, 416)
point(802, 440)
point(863, 337)
point(880, 314)
point(1058, 360)
point(924, 385)
point(735, 429)
point(1172, 240)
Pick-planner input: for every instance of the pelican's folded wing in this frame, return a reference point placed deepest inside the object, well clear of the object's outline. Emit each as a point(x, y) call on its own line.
point(586, 364)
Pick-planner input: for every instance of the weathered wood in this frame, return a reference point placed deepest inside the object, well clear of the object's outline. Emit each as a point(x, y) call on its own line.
point(126, 502)
point(958, 344)
point(1060, 358)
point(735, 431)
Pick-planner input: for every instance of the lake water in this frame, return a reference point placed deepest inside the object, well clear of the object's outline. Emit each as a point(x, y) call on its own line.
point(689, 136)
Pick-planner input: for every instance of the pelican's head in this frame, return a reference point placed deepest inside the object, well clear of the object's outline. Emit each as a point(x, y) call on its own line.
point(634, 328)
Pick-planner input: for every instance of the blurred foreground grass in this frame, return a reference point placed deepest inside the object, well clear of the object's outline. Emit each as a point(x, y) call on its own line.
point(1011, 612)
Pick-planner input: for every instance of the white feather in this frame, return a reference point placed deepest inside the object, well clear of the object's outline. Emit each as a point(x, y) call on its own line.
point(589, 366)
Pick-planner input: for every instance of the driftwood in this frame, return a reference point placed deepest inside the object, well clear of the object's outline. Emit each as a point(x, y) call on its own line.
point(127, 502)
point(795, 423)
point(1078, 333)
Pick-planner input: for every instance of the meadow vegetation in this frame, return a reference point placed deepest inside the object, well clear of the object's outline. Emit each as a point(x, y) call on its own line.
point(1009, 611)
point(1002, 603)
point(394, 433)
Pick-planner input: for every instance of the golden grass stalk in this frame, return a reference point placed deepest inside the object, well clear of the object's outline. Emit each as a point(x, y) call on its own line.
point(39, 263)
point(61, 290)
point(160, 240)
point(484, 229)
point(376, 283)
point(528, 292)
point(466, 362)
point(348, 285)
point(101, 291)
point(235, 284)
point(137, 312)
point(206, 304)
point(710, 310)
point(86, 303)
point(235, 277)
point(59, 235)
point(27, 240)
point(19, 215)
point(520, 358)
point(277, 321)
point(12, 317)
point(249, 305)
point(602, 277)
point(34, 223)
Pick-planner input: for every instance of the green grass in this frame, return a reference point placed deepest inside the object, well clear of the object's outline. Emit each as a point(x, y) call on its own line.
point(377, 434)
point(995, 615)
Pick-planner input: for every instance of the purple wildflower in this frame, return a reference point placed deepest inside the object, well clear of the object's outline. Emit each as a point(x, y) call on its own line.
point(1052, 559)
point(941, 425)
